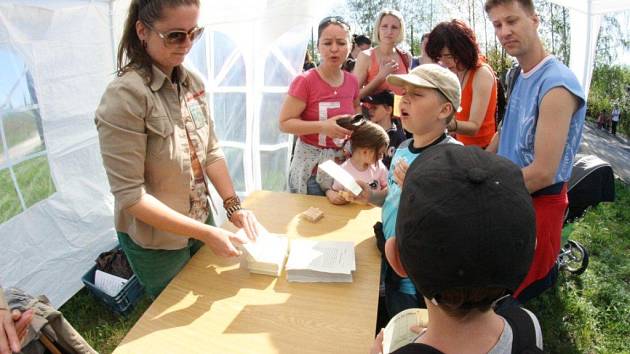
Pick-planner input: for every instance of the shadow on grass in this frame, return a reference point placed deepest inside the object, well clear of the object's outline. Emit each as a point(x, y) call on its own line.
point(101, 327)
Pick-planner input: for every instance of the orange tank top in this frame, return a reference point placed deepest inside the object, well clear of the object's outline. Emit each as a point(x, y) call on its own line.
point(373, 71)
point(488, 126)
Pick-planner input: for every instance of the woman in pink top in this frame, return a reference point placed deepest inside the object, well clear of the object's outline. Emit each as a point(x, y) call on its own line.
point(316, 99)
point(373, 65)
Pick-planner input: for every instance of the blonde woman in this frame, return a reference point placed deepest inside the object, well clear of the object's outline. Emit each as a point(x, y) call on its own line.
point(373, 65)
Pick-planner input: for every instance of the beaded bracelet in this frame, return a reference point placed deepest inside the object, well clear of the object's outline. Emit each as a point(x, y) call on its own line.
point(231, 205)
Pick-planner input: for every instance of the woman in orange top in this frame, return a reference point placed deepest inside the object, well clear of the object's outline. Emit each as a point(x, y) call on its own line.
point(453, 45)
point(373, 65)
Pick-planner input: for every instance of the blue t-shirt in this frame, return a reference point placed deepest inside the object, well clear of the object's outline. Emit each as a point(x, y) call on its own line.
point(519, 125)
point(389, 210)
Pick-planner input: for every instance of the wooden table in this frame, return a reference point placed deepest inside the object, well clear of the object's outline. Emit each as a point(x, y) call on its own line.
point(215, 306)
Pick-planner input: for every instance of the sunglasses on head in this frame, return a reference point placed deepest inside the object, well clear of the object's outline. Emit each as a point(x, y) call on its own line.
point(333, 19)
point(354, 121)
point(178, 37)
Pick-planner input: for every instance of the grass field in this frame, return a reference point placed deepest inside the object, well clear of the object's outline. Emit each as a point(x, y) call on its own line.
point(35, 183)
point(583, 314)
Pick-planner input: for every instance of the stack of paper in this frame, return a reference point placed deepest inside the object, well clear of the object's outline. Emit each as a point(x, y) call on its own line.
point(266, 255)
point(320, 261)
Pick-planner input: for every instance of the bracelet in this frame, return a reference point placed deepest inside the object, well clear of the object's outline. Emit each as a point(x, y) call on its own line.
point(231, 205)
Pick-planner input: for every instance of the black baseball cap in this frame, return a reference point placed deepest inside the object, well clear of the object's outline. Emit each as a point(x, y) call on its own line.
point(385, 97)
point(465, 220)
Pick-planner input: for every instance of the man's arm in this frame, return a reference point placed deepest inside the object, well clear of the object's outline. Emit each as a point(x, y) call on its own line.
point(554, 117)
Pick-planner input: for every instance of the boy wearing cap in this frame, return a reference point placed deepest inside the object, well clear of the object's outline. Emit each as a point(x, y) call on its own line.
point(380, 110)
point(464, 264)
point(541, 131)
point(431, 97)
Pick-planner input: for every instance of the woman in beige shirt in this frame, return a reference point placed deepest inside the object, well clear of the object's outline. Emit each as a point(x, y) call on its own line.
point(158, 144)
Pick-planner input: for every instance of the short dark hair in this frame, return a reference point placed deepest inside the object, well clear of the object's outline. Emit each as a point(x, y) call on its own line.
point(458, 302)
point(527, 5)
point(360, 39)
point(458, 38)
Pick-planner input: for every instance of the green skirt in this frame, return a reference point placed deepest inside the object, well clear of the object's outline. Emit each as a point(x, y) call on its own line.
point(156, 268)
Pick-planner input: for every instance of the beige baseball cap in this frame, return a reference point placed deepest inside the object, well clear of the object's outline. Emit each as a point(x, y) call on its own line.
point(432, 76)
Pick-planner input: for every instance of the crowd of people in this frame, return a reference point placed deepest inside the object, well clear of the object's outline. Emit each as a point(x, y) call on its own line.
point(471, 211)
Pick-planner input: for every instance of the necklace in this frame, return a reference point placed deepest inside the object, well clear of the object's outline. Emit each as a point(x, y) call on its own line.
point(333, 83)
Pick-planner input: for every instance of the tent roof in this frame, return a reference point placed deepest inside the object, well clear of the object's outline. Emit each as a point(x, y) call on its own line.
point(595, 7)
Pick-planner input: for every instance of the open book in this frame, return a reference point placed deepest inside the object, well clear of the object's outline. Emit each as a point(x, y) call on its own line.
point(320, 261)
point(340, 175)
point(397, 332)
point(266, 255)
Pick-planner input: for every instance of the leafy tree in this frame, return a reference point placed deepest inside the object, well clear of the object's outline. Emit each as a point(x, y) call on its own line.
point(611, 85)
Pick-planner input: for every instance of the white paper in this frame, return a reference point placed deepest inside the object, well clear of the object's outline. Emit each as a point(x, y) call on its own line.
point(397, 332)
point(322, 256)
point(342, 176)
point(108, 283)
point(266, 255)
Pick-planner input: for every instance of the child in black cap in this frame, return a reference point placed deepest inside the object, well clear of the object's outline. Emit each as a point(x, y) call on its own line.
point(379, 107)
point(466, 235)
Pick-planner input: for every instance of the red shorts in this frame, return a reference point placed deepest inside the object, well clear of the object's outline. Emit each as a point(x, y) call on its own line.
point(550, 211)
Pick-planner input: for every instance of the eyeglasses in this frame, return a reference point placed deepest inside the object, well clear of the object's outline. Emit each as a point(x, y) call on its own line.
point(178, 37)
point(447, 56)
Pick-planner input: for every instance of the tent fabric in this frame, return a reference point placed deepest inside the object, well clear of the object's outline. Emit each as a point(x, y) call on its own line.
point(585, 18)
point(250, 52)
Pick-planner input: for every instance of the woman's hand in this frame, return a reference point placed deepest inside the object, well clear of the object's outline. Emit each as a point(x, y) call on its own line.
point(387, 67)
point(245, 219)
point(400, 171)
point(223, 243)
point(13, 328)
point(331, 129)
point(377, 346)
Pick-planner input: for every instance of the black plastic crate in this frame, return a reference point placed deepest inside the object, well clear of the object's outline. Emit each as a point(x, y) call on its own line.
point(126, 298)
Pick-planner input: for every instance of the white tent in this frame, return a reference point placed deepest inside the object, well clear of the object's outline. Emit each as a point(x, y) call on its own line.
point(56, 57)
point(586, 20)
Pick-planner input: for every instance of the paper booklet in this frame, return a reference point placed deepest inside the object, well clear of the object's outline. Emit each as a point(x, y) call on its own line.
point(320, 261)
point(397, 332)
point(109, 283)
point(266, 255)
point(342, 176)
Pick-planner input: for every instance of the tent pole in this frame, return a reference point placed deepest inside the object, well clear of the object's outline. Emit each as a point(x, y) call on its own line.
point(111, 31)
point(587, 50)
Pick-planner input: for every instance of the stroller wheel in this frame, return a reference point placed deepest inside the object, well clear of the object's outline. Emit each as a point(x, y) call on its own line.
point(573, 258)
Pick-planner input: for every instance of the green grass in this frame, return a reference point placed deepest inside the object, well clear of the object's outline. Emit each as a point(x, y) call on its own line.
point(583, 314)
point(97, 323)
point(35, 183)
point(20, 126)
point(590, 313)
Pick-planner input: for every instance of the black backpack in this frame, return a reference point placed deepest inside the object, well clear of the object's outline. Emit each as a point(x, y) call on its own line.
point(523, 330)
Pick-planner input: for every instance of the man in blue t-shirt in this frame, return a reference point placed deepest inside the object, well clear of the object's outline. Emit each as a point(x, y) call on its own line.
point(541, 132)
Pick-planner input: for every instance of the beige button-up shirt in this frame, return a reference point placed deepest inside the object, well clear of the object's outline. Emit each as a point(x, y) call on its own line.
point(145, 148)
